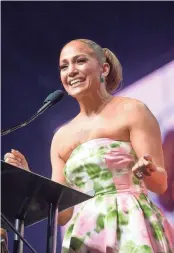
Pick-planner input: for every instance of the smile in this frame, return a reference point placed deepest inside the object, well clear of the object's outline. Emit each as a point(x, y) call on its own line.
point(76, 82)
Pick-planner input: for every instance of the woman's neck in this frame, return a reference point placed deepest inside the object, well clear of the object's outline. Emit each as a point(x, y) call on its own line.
point(92, 104)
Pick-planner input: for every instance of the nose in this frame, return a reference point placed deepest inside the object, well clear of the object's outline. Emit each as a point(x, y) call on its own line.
point(72, 71)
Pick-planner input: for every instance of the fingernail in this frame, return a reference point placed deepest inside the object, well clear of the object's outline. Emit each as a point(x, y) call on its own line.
point(145, 156)
point(14, 150)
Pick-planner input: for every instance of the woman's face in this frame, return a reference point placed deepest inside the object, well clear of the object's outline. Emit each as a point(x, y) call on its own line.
point(80, 71)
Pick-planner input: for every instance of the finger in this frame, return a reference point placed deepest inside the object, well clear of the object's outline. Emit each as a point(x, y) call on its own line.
point(138, 166)
point(152, 167)
point(18, 154)
point(11, 160)
point(141, 165)
point(146, 163)
point(145, 167)
point(135, 167)
point(14, 164)
point(148, 157)
point(149, 165)
point(147, 172)
point(10, 155)
point(141, 168)
point(7, 155)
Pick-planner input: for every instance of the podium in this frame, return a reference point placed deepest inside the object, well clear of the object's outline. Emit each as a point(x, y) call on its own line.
point(27, 198)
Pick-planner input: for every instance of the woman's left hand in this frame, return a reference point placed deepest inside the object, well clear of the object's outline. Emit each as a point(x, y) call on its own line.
point(144, 167)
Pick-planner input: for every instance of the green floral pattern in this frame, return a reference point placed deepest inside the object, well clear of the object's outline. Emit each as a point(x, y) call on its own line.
point(120, 217)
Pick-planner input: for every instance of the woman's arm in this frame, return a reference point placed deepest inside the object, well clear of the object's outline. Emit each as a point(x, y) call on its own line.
point(57, 175)
point(145, 137)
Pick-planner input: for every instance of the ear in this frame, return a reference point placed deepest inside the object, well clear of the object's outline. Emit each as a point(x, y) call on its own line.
point(105, 69)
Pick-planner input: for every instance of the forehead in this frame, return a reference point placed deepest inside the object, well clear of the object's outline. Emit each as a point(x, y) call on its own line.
point(75, 48)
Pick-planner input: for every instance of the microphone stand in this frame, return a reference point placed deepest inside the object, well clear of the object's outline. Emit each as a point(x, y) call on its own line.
point(51, 100)
point(25, 123)
point(18, 230)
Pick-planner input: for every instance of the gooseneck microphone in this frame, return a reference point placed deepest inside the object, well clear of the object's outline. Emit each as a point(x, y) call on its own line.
point(51, 100)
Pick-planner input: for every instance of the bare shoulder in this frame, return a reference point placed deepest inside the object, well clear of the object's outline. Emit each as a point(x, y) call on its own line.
point(136, 112)
point(134, 106)
point(60, 134)
point(129, 103)
point(61, 139)
point(126, 102)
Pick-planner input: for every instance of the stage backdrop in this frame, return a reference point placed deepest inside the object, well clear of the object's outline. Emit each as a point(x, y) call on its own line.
point(157, 91)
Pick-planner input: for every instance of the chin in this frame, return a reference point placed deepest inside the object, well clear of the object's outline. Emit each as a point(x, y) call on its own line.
point(78, 92)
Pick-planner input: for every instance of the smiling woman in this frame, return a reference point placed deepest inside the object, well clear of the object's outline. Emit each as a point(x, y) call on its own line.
point(85, 60)
point(106, 150)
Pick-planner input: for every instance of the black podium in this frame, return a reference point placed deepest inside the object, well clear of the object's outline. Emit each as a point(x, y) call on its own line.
point(27, 198)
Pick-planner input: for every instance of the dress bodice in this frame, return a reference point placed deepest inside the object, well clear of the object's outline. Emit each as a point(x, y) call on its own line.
point(103, 166)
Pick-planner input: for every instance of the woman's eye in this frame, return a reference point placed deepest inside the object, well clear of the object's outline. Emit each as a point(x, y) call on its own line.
point(81, 60)
point(63, 67)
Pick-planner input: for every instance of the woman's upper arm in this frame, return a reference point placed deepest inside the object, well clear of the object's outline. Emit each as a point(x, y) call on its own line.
point(56, 161)
point(58, 176)
point(145, 134)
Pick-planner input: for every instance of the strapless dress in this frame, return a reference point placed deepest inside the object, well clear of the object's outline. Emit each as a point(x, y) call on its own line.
point(120, 217)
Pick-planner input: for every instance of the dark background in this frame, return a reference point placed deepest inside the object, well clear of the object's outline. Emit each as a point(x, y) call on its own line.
point(33, 33)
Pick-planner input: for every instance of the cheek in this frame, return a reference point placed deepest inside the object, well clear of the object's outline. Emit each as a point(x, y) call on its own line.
point(63, 78)
point(91, 71)
point(94, 75)
point(63, 82)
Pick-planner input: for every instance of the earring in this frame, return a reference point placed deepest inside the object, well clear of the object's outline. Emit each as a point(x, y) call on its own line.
point(102, 79)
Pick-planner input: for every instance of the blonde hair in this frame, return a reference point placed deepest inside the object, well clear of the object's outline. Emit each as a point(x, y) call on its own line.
point(115, 76)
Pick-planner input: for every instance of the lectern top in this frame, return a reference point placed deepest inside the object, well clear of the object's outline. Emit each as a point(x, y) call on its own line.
point(28, 195)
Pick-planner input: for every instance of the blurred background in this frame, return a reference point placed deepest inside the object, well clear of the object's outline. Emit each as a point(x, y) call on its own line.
point(141, 34)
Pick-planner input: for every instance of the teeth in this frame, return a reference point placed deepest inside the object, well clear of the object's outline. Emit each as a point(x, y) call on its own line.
point(75, 81)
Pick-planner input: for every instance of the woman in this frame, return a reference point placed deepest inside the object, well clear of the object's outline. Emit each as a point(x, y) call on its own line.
point(113, 148)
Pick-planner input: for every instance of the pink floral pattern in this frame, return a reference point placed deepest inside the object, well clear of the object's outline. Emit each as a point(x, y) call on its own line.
point(120, 218)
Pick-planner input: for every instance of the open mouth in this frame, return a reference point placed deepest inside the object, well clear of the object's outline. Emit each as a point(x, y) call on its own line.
point(76, 82)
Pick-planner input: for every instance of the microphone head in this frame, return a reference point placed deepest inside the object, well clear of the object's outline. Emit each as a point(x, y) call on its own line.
point(54, 97)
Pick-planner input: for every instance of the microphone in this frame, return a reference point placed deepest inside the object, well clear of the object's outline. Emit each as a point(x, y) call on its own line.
point(51, 100)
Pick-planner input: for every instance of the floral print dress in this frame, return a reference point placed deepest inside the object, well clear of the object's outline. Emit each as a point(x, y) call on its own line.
point(120, 217)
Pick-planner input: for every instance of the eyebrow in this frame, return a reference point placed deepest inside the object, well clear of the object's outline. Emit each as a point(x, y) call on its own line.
point(73, 58)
